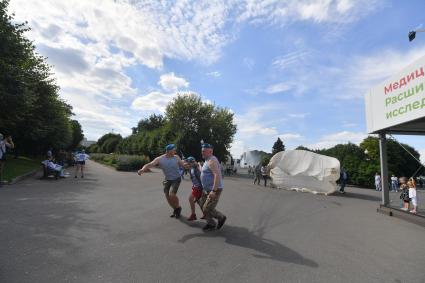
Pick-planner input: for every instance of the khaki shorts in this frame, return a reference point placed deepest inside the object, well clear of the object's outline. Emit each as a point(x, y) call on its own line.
point(174, 184)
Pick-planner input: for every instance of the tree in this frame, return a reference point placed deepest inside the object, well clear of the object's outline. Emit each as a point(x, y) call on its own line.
point(108, 143)
point(30, 109)
point(266, 159)
point(278, 146)
point(192, 120)
point(77, 134)
point(149, 124)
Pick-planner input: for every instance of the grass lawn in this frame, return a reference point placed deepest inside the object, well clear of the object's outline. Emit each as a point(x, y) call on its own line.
point(17, 167)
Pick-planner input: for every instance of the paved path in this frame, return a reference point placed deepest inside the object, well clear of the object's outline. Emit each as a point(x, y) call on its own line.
point(114, 227)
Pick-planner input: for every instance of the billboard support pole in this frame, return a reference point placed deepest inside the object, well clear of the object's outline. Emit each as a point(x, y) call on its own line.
point(384, 169)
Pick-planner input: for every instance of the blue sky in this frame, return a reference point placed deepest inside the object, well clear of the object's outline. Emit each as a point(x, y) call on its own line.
point(294, 69)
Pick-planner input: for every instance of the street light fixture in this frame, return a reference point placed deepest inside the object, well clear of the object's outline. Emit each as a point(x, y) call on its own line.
point(412, 34)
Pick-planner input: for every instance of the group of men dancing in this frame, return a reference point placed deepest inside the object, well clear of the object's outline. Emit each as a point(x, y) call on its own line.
point(207, 184)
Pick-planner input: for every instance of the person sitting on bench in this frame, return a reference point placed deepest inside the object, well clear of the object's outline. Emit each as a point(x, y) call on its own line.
point(50, 165)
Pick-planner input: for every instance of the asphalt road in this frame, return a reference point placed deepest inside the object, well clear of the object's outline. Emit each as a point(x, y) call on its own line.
point(115, 227)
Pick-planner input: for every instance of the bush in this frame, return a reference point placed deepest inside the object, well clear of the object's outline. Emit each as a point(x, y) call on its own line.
point(130, 162)
point(121, 162)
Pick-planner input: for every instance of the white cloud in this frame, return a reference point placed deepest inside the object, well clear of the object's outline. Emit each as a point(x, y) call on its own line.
point(290, 137)
point(320, 11)
point(367, 71)
point(92, 44)
point(343, 137)
point(298, 115)
point(170, 82)
point(214, 74)
point(249, 63)
point(154, 101)
point(253, 130)
point(277, 88)
point(157, 101)
point(289, 59)
point(250, 123)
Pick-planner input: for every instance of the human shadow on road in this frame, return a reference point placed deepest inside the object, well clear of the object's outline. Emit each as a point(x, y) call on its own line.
point(358, 196)
point(264, 248)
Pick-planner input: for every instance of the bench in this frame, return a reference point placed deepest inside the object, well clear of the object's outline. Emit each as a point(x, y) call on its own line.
point(48, 172)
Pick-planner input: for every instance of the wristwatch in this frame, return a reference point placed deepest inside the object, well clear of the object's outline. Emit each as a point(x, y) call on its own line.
point(216, 190)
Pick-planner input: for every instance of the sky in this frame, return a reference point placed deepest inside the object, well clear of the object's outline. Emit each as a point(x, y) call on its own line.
point(292, 69)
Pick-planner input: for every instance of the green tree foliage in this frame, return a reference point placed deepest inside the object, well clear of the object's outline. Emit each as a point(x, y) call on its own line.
point(266, 159)
point(361, 167)
point(193, 120)
point(278, 146)
point(107, 143)
point(30, 109)
point(400, 162)
point(187, 121)
point(149, 124)
point(77, 134)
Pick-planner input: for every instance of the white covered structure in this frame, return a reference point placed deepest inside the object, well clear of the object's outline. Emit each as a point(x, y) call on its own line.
point(304, 171)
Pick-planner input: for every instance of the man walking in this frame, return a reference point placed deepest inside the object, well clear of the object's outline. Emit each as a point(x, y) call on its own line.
point(257, 172)
point(212, 184)
point(343, 178)
point(170, 163)
point(378, 182)
point(394, 183)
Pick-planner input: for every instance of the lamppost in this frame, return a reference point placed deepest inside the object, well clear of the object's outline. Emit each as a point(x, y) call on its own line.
point(412, 34)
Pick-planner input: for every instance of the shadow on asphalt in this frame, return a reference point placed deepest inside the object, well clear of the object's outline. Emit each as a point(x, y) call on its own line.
point(46, 220)
point(242, 237)
point(358, 196)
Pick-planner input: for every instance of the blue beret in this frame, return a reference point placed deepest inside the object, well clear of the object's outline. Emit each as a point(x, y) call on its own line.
point(206, 145)
point(170, 147)
point(190, 159)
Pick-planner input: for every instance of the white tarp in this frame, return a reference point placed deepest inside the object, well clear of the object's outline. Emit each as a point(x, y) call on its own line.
point(304, 171)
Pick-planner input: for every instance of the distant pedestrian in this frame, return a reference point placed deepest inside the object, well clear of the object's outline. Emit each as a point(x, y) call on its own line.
point(264, 174)
point(49, 153)
point(257, 172)
point(170, 163)
point(196, 194)
point(394, 183)
point(343, 178)
point(4, 144)
point(412, 196)
point(212, 184)
point(378, 185)
point(404, 196)
point(80, 162)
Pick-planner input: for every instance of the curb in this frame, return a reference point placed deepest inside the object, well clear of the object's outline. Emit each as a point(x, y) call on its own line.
point(404, 215)
point(22, 177)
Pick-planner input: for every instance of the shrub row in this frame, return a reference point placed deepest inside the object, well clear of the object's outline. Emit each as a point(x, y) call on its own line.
point(120, 161)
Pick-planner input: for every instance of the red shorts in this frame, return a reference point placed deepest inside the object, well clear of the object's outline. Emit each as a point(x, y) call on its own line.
point(196, 192)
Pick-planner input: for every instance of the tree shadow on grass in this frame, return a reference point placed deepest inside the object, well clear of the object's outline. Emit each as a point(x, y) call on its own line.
point(242, 237)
